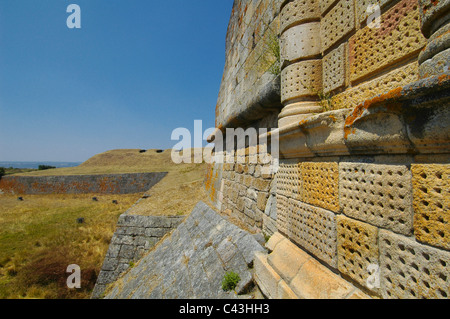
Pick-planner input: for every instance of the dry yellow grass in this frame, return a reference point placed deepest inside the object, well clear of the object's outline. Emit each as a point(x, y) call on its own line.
point(39, 237)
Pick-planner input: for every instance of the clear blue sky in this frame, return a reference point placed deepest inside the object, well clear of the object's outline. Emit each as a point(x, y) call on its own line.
point(136, 70)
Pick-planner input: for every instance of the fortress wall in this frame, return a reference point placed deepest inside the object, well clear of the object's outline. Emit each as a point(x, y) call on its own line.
point(135, 235)
point(80, 184)
point(245, 189)
point(364, 151)
point(249, 91)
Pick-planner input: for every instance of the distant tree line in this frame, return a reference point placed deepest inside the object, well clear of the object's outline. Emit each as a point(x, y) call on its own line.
point(44, 167)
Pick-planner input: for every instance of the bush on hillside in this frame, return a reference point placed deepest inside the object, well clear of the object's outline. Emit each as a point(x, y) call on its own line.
point(44, 167)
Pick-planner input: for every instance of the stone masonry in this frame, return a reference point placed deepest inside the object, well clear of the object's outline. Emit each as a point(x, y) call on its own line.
point(360, 197)
point(134, 236)
point(191, 262)
point(81, 184)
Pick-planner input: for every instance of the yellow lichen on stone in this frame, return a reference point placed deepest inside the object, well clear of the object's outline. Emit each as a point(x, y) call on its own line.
point(431, 203)
point(367, 90)
point(357, 248)
point(321, 184)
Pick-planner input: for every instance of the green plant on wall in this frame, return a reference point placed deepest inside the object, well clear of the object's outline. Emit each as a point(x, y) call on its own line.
point(325, 99)
point(230, 281)
point(269, 60)
point(272, 54)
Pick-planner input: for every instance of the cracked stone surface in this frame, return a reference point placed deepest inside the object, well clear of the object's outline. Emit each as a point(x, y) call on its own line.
point(192, 261)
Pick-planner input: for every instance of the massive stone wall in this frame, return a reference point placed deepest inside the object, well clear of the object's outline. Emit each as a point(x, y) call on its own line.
point(364, 151)
point(245, 189)
point(135, 235)
point(191, 261)
point(81, 184)
point(248, 92)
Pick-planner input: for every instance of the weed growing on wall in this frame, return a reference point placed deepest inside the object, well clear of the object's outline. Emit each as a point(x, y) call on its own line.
point(325, 99)
point(230, 281)
point(271, 56)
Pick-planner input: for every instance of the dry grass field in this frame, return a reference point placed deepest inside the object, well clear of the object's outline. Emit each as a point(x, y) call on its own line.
point(40, 236)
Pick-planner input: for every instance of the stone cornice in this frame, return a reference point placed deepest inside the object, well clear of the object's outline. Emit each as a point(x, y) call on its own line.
point(413, 119)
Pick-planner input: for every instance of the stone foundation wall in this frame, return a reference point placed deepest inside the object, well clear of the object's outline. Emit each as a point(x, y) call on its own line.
point(246, 189)
point(81, 184)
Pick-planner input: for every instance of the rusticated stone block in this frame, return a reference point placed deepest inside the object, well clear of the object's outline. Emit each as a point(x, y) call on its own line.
point(269, 225)
point(412, 270)
point(334, 64)
point(298, 11)
point(325, 5)
point(260, 184)
point(282, 214)
point(321, 184)
point(373, 49)
point(301, 79)
point(337, 23)
point(431, 189)
point(357, 248)
point(262, 200)
point(350, 98)
point(311, 227)
point(300, 41)
point(378, 194)
point(288, 180)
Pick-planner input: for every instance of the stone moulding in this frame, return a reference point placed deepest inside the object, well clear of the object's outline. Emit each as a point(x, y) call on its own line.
point(256, 104)
point(412, 119)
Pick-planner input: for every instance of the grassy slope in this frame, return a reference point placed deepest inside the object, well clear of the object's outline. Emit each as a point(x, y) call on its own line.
point(39, 237)
point(119, 161)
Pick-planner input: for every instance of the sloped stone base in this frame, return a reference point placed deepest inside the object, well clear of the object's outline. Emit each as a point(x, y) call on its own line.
point(290, 273)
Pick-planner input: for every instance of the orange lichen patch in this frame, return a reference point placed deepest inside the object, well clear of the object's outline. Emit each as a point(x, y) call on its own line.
point(432, 3)
point(82, 184)
point(366, 105)
point(11, 186)
point(210, 180)
point(332, 117)
point(443, 78)
point(302, 122)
